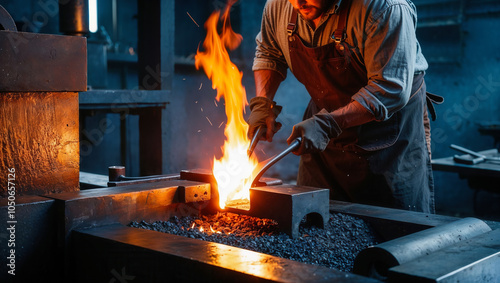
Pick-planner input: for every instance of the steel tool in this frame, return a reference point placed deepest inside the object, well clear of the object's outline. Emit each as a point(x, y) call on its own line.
point(255, 139)
point(271, 161)
point(477, 157)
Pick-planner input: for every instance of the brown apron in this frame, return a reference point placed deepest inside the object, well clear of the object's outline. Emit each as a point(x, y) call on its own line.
point(380, 163)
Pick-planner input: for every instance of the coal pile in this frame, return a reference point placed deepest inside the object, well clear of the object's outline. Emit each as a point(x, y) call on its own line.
point(336, 246)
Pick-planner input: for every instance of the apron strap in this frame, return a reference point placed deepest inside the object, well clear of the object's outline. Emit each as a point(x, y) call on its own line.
point(432, 99)
point(292, 24)
point(340, 33)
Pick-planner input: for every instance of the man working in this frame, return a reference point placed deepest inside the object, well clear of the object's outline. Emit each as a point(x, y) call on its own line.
point(363, 133)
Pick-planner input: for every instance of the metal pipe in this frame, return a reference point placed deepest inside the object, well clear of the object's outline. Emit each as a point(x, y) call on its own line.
point(377, 260)
point(74, 17)
point(293, 146)
point(116, 172)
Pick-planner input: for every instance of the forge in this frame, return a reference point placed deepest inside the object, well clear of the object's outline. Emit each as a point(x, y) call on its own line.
point(91, 239)
point(292, 203)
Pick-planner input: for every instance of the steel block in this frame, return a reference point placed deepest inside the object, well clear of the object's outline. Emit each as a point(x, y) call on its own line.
point(42, 62)
point(288, 205)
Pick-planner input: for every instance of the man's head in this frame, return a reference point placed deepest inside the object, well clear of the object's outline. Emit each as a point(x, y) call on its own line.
point(311, 9)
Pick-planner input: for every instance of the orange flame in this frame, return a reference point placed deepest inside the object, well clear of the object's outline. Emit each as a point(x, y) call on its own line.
point(233, 171)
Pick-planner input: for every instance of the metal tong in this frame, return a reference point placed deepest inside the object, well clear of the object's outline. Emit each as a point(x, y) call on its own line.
point(477, 157)
point(255, 140)
point(270, 162)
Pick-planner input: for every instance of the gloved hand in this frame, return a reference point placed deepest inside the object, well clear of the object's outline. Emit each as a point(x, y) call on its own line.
point(316, 132)
point(263, 113)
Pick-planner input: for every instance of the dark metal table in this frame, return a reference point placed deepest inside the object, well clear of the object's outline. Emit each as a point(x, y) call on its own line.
point(482, 176)
point(484, 169)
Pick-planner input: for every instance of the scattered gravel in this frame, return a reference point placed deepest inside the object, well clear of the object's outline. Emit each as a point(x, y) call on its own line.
point(336, 246)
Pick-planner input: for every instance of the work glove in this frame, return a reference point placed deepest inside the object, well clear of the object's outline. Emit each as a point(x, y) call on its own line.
point(316, 132)
point(263, 113)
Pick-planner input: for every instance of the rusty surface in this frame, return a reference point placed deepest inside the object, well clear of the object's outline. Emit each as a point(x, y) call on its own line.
point(40, 142)
point(193, 193)
point(42, 62)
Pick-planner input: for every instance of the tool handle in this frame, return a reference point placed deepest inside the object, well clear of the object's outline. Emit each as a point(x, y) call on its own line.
point(293, 146)
point(465, 150)
point(463, 160)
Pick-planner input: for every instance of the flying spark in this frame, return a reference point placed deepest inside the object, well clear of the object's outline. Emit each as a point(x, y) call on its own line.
point(209, 121)
point(193, 19)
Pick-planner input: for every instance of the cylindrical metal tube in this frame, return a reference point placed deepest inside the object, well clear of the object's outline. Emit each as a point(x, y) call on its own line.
point(115, 172)
point(377, 260)
point(74, 17)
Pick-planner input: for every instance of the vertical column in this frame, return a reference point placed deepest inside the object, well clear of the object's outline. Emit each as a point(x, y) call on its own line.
point(156, 69)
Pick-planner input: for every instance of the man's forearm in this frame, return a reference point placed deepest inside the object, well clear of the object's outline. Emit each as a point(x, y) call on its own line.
point(267, 83)
point(351, 115)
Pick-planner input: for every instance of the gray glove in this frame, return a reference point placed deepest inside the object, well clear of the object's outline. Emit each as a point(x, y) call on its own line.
point(316, 132)
point(263, 113)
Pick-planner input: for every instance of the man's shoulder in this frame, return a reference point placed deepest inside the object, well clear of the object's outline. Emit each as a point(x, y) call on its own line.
point(377, 7)
point(278, 11)
point(278, 4)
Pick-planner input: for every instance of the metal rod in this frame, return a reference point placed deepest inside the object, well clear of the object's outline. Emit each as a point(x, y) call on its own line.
point(255, 140)
point(474, 154)
point(293, 146)
point(465, 150)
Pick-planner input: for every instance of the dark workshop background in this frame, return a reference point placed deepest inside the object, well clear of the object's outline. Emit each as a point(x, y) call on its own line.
point(460, 39)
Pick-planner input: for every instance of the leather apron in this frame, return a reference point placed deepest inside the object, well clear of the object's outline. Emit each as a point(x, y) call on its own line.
point(379, 163)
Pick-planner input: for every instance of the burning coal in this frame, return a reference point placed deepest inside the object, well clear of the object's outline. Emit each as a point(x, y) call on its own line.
point(336, 246)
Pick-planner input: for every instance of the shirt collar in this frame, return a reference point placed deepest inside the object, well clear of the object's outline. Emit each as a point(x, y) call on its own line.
point(334, 9)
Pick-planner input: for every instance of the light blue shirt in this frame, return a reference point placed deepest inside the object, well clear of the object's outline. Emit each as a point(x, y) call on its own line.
point(382, 36)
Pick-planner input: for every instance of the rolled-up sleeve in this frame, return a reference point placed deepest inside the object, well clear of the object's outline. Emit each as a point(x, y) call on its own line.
point(268, 54)
point(389, 53)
